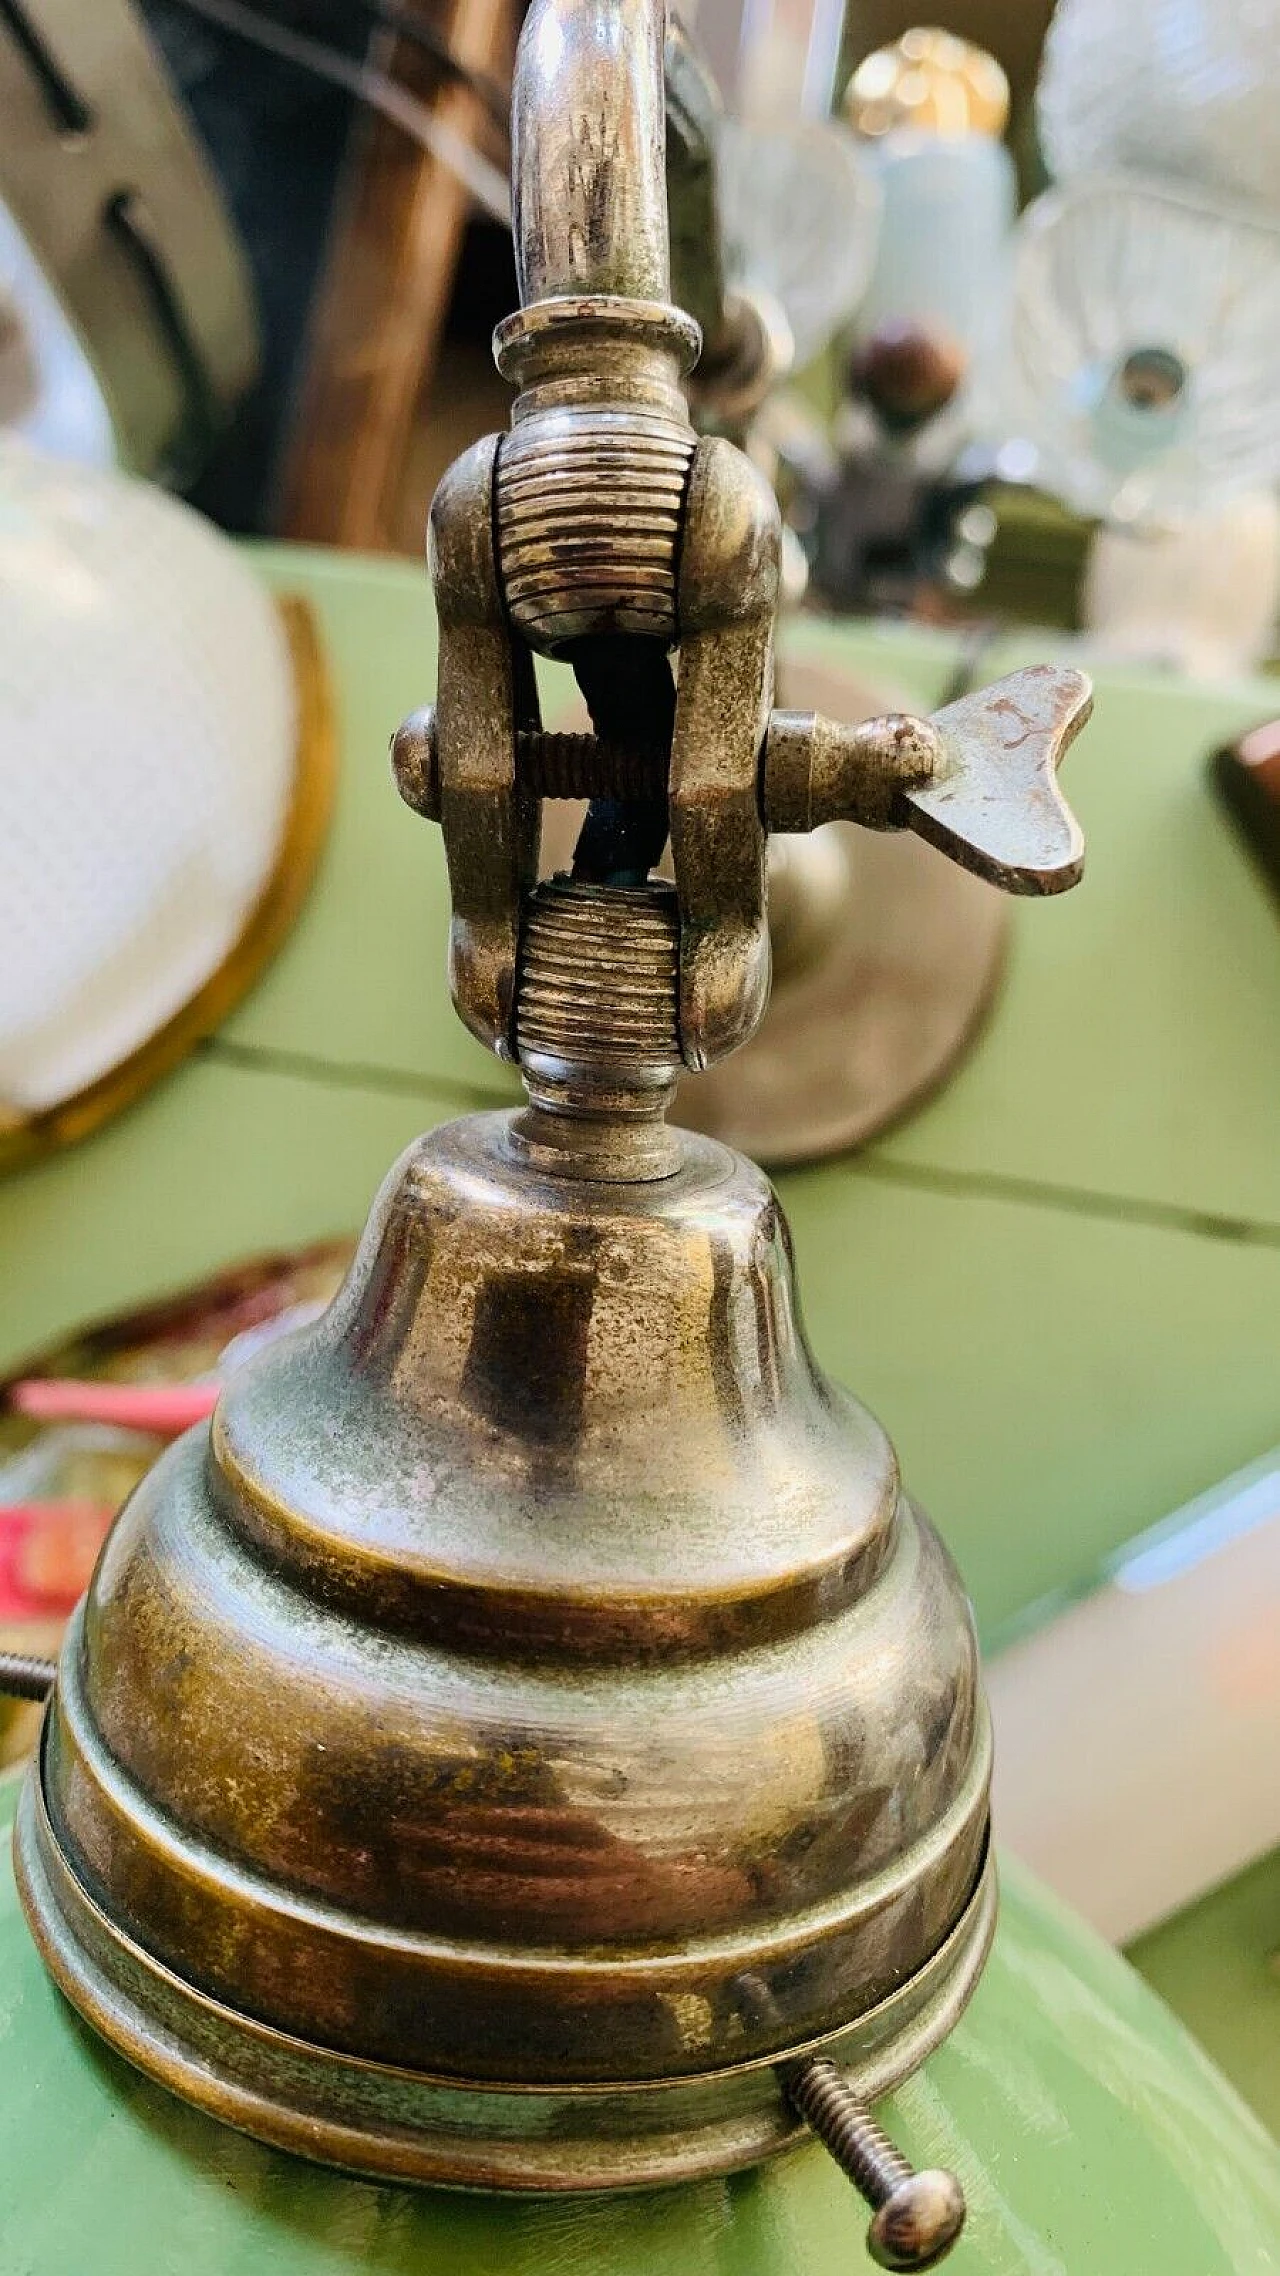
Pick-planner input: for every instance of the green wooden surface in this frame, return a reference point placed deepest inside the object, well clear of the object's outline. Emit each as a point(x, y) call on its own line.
point(217, 1163)
point(1219, 1966)
point(1094, 2139)
point(1135, 1056)
point(1059, 1285)
point(361, 981)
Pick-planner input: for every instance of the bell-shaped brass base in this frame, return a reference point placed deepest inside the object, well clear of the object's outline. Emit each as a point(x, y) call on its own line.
point(530, 1711)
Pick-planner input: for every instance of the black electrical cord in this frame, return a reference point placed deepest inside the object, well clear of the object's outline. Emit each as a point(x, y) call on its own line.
point(629, 691)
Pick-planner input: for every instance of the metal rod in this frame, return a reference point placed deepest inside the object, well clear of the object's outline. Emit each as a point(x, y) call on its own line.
point(588, 145)
point(23, 1676)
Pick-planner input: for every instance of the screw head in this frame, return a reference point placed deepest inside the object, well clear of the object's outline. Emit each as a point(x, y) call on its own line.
point(415, 763)
point(918, 2222)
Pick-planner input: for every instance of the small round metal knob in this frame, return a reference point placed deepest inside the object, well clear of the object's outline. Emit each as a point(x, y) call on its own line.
point(415, 762)
point(907, 374)
point(917, 2216)
point(918, 2222)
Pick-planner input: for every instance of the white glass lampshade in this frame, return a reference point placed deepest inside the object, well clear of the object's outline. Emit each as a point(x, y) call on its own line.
point(147, 755)
point(1145, 344)
point(1183, 88)
point(800, 215)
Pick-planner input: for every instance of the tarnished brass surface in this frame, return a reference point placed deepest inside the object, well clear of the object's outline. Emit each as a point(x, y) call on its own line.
point(885, 959)
point(537, 1675)
point(531, 1721)
point(373, 2118)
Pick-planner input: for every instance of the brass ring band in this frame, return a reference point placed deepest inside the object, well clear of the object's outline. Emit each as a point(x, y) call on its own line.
point(402, 2125)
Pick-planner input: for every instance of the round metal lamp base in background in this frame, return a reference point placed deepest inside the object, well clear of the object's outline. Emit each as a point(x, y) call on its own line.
point(886, 959)
point(870, 1013)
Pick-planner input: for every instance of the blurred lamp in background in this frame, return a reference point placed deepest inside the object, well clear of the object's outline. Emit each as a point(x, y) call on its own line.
point(799, 208)
point(930, 112)
point(1179, 88)
point(1146, 334)
point(1146, 320)
point(164, 751)
point(164, 776)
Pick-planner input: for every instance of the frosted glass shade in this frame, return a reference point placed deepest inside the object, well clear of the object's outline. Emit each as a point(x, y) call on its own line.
point(1187, 88)
point(147, 734)
point(800, 216)
point(1145, 344)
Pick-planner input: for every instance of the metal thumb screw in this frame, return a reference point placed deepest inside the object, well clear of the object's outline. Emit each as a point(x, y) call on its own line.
point(916, 2216)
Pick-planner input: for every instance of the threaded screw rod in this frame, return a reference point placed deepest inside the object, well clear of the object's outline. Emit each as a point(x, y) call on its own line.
point(814, 771)
point(916, 2217)
point(23, 1676)
point(552, 765)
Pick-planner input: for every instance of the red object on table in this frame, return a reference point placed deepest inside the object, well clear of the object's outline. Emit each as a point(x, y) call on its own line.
point(47, 1553)
point(164, 1410)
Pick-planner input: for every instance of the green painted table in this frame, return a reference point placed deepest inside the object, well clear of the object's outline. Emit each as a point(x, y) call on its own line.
point(1094, 2139)
point(1059, 1284)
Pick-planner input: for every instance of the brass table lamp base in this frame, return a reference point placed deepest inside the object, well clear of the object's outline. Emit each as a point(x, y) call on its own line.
point(529, 1738)
point(391, 1805)
point(865, 1029)
point(395, 2124)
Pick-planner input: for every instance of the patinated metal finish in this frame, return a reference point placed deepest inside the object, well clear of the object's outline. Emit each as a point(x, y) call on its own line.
point(631, 1736)
point(531, 1723)
point(978, 779)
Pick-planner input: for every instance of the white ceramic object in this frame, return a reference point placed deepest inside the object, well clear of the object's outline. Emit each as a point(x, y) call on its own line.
point(1121, 285)
point(147, 735)
point(1137, 1733)
point(1182, 88)
point(942, 260)
point(1202, 598)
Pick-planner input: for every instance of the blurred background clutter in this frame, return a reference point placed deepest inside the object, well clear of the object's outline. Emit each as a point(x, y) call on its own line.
point(1017, 279)
point(270, 274)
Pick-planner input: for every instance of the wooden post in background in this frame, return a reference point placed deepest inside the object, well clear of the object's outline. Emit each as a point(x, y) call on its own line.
point(384, 292)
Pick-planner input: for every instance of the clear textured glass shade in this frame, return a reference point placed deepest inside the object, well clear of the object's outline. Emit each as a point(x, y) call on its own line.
point(801, 215)
point(1145, 343)
point(1187, 88)
point(147, 734)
